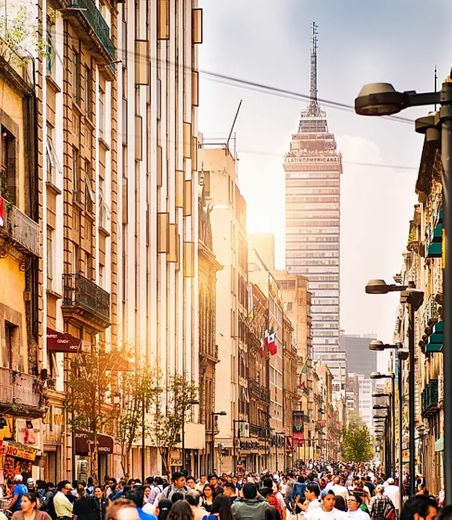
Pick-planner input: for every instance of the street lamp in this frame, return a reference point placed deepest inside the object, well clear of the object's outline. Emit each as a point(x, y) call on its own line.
point(382, 99)
point(214, 414)
point(188, 404)
point(414, 298)
point(378, 375)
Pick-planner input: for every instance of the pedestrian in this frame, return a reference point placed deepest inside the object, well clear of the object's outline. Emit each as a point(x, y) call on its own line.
point(208, 495)
point(100, 503)
point(180, 511)
point(122, 509)
point(163, 508)
point(354, 512)
point(251, 506)
point(213, 481)
point(85, 506)
point(191, 483)
point(230, 492)
point(29, 506)
point(381, 506)
point(327, 511)
point(19, 491)
point(419, 506)
point(393, 492)
point(221, 508)
point(194, 499)
point(178, 486)
point(62, 504)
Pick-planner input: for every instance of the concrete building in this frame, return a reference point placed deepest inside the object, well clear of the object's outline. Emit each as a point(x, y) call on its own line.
point(352, 394)
point(360, 359)
point(365, 400)
point(313, 167)
point(118, 95)
point(23, 393)
point(228, 221)
point(208, 350)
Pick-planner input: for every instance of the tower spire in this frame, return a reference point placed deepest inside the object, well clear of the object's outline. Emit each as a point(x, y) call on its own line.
point(314, 109)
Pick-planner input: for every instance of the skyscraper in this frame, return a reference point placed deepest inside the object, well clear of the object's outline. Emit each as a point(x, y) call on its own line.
point(313, 167)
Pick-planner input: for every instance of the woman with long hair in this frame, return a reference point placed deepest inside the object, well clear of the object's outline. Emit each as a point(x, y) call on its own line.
point(208, 494)
point(163, 508)
point(221, 508)
point(29, 506)
point(181, 510)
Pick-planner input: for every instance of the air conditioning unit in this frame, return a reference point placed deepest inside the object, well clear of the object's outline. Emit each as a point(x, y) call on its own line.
point(243, 430)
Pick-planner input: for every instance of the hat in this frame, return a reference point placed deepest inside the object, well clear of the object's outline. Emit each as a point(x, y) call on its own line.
point(68, 486)
point(326, 492)
point(30, 482)
point(390, 481)
point(18, 478)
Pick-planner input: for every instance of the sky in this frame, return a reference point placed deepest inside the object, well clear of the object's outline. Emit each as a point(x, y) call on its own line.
point(268, 42)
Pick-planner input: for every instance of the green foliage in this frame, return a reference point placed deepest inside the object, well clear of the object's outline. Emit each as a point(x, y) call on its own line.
point(357, 442)
point(169, 410)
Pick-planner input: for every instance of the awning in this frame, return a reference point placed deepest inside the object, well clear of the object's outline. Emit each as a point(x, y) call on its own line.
point(105, 443)
point(62, 341)
point(436, 339)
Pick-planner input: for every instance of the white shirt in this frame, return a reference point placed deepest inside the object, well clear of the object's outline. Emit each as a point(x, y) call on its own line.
point(393, 492)
point(319, 514)
point(359, 514)
point(340, 490)
point(314, 504)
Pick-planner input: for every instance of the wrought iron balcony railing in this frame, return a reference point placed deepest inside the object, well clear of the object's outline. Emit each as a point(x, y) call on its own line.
point(258, 391)
point(86, 298)
point(96, 23)
point(21, 230)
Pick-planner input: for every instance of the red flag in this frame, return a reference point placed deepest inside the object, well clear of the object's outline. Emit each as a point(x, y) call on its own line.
point(262, 349)
point(2, 211)
point(270, 342)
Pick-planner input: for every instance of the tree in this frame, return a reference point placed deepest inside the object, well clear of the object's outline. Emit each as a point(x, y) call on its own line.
point(89, 399)
point(357, 442)
point(169, 407)
point(137, 390)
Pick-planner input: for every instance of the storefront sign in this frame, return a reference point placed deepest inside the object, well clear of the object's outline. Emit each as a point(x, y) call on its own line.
point(297, 427)
point(62, 342)
point(176, 458)
point(19, 451)
point(105, 443)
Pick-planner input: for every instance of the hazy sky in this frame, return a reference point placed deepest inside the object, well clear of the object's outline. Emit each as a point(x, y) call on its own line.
point(268, 42)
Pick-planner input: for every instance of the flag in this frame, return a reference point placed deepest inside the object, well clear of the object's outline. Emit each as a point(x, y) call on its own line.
point(262, 348)
point(2, 211)
point(304, 370)
point(270, 342)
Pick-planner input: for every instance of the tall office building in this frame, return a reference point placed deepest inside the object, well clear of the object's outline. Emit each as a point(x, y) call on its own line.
point(313, 167)
point(360, 359)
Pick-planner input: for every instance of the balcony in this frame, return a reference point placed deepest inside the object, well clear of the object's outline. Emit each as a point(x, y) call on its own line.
point(430, 312)
point(258, 391)
point(429, 398)
point(95, 27)
point(19, 393)
point(259, 431)
point(20, 230)
point(85, 301)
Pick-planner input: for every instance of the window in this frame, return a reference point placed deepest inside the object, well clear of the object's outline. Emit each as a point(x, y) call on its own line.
point(8, 166)
point(76, 73)
point(8, 346)
point(101, 115)
point(50, 257)
point(76, 174)
point(87, 91)
point(50, 44)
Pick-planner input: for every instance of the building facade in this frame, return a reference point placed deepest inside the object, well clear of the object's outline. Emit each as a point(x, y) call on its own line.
point(313, 168)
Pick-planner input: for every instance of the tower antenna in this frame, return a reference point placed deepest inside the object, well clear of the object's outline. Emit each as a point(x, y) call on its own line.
point(314, 109)
point(436, 82)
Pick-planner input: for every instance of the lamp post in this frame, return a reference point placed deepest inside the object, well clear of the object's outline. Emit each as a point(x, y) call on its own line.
point(212, 448)
point(382, 99)
point(188, 404)
point(377, 375)
point(413, 298)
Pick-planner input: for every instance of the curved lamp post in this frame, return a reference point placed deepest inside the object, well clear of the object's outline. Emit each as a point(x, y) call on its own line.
point(379, 99)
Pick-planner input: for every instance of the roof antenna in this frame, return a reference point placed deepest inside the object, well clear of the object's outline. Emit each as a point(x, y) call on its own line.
point(436, 82)
point(233, 124)
point(314, 109)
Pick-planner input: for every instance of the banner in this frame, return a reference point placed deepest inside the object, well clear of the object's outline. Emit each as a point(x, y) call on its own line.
point(62, 342)
point(297, 427)
point(19, 451)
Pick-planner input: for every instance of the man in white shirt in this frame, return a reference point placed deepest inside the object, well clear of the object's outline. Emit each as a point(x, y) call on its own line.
point(339, 488)
point(354, 512)
point(327, 511)
point(63, 507)
point(393, 492)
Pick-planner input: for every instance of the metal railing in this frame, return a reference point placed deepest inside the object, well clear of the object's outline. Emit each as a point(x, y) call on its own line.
point(258, 391)
point(82, 293)
point(21, 229)
point(18, 389)
point(94, 18)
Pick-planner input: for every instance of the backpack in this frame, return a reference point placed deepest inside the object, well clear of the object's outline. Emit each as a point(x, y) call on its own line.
point(274, 502)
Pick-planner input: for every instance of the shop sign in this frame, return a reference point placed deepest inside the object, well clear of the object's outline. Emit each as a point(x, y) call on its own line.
point(19, 451)
point(105, 443)
point(176, 458)
point(62, 342)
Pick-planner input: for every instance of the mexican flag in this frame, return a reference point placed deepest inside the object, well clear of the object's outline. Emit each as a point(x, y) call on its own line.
point(2, 211)
point(270, 342)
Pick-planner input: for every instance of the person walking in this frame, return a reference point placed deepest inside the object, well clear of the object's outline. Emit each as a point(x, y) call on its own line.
point(19, 490)
point(381, 506)
point(63, 506)
point(29, 506)
point(327, 511)
point(100, 503)
point(180, 511)
point(251, 506)
point(85, 506)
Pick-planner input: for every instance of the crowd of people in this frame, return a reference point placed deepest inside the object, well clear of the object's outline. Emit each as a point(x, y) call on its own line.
point(314, 492)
